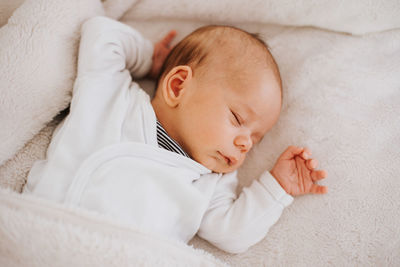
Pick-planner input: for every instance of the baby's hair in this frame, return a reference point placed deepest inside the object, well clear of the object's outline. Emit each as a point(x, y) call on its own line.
point(195, 48)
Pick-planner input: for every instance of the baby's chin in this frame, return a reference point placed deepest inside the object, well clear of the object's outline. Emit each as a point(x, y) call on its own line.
point(224, 169)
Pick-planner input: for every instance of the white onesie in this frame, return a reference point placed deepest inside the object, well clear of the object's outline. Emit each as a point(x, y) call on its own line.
point(104, 156)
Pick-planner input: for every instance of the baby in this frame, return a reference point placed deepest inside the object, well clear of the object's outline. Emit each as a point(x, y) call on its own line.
point(168, 165)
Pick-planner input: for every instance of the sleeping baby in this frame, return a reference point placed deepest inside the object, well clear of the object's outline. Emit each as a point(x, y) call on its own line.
point(168, 165)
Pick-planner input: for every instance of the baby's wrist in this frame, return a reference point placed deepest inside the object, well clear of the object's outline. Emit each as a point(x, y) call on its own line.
point(276, 177)
point(276, 189)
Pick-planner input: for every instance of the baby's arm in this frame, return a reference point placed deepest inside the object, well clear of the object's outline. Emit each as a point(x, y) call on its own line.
point(103, 90)
point(110, 47)
point(235, 223)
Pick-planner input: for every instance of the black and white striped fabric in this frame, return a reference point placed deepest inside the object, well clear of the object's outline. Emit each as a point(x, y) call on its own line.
point(166, 142)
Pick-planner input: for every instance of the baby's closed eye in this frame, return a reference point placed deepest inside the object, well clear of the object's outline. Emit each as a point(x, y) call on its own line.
point(237, 118)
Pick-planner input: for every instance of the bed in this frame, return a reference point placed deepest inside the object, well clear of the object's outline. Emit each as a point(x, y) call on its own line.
point(340, 66)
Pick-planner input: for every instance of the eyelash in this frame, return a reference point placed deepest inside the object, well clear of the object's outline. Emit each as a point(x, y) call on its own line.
point(236, 118)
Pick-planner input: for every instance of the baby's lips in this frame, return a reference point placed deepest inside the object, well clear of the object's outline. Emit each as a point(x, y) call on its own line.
point(228, 159)
point(232, 160)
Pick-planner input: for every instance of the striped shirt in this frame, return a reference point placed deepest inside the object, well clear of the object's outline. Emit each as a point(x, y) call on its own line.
point(166, 142)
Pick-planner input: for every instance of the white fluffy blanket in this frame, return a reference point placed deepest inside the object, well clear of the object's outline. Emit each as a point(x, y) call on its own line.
point(35, 232)
point(341, 99)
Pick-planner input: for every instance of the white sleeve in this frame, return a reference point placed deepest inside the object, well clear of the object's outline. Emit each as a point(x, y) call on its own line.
point(110, 47)
point(109, 53)
point(234, 223)
point(103, 90)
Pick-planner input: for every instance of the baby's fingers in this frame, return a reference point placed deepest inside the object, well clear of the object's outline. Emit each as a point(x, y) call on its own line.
point(306, 154)
point(318, 189)
point(168, 38)
point(312, 164)
point(318, 175)
point(291, 152)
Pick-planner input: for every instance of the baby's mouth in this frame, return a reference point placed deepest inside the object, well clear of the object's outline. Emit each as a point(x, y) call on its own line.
point(229, 160)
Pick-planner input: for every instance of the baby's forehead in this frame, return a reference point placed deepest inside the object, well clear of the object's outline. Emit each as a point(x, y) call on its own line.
point(236, 54)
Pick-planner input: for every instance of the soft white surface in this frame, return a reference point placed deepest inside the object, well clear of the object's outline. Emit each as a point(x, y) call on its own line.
point(341, 99)
point(351, 16)
point(37, 233)
point(38, 58)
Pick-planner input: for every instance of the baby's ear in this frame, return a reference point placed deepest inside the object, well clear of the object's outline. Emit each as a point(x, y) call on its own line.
point(174, 84)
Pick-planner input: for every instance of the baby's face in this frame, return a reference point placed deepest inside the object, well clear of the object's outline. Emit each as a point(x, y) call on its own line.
point(224, 113)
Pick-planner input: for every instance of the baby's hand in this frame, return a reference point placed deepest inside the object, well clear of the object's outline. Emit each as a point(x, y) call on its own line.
point(295, 172)
point(161, 51)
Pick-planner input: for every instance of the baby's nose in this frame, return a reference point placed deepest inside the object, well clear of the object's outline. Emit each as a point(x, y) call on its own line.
point(243, 142)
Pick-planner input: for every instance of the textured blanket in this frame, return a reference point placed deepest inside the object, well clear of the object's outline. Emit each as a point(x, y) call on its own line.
point(341, 99)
